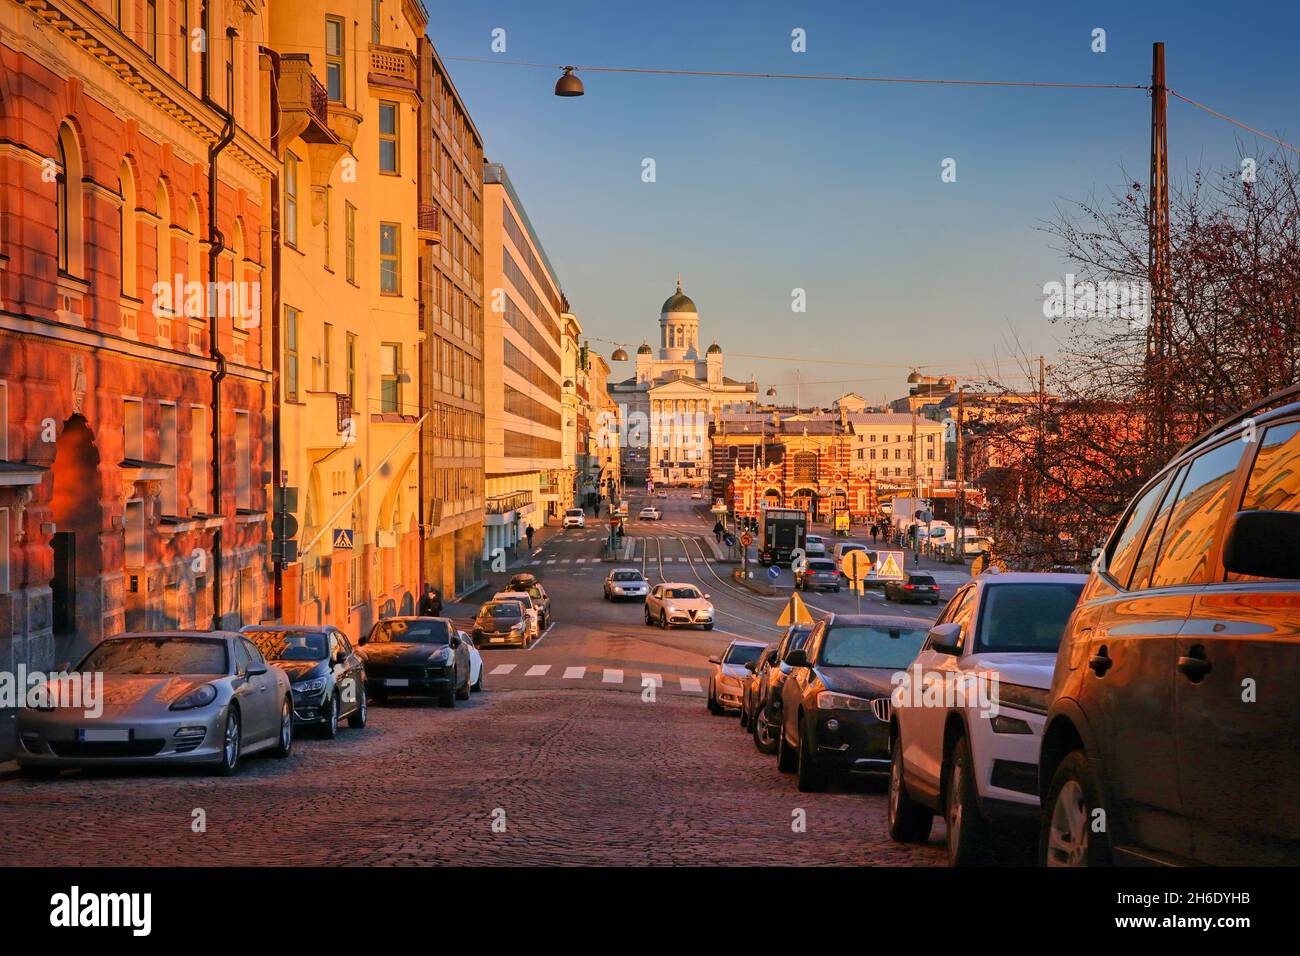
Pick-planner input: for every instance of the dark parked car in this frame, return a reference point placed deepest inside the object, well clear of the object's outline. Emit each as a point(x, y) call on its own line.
point(914, 587)
point(325, 673)
point(416, 655)
point(835, 706)
point(767, 712)
point(529, 584)
point(501, 622)
point(1172, 706)
point(750, 685)
point(818, 574)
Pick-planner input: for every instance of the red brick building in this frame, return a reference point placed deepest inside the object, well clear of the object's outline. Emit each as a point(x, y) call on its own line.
point(111, 380)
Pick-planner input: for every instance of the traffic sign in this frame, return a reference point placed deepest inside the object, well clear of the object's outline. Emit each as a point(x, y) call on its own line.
point(774, 572)
point(891, 564)
point(746, 539)
point(796, 612)
point(343, 539)
point(857, 566)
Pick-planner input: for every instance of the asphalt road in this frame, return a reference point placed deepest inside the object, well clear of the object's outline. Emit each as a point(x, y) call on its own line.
point(591, 747)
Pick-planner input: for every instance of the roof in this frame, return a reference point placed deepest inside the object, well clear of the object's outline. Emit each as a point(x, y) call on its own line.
point(679, 302)
point(1029, 577)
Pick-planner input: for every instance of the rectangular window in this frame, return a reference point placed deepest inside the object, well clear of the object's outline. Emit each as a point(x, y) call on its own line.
point(390, 263)
point(327, 349)
point(135, 533)
point(390, 377)
point(325, 224)
point(350, 241)
point(375, 33)
point(243, 462)
point(151, 28)
point(291, 199)
point(133, 429)
point(351, 363)
point(334, 59)
point(4, 550)
point(388, 137)
point(183, 14)
point(199, 503)
point(167, 455)
point(291, 353)
point(4, 422)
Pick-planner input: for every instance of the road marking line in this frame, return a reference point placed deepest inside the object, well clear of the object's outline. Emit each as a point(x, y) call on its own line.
point(537, 670)
point(658, 681)
point(552, 561)
point(582, 561)
point(574, 673)
point(612, 676)
point(691, 685)
point(504, 668)
point(566, 560)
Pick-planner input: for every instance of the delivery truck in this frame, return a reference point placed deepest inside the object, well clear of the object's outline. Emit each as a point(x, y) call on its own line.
point(780, 532)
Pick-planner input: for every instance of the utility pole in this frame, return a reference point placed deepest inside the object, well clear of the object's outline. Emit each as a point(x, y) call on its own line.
point(1159, 426)
point(961, 475)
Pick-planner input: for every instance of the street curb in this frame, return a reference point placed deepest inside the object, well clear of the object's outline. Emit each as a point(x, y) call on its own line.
point(756, 588)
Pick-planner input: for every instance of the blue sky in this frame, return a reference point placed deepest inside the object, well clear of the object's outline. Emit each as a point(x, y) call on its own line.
point(764, 186)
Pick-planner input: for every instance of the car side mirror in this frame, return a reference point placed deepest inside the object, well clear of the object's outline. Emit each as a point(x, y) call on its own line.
point(944, 638)
point(796, 658)
point(1264, 544)
point(715, 660)
point(255, 670)
point(751, 666)
point(708, 597)
point(455, 642)
point(364, 639)
point(341, 657)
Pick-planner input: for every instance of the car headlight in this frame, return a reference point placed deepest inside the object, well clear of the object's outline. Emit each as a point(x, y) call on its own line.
point(440, 656)
point(1033, 699)
point(827, 700)
point(307, 686)
point(1010, 725)
point(672, 610)
point(198, 697)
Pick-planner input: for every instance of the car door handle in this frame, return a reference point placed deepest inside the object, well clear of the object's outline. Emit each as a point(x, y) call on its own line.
point(1193, 664)
point(1100, 662)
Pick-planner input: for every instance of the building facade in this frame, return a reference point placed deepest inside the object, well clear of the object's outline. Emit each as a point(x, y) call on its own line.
point(523, 371)
point(349, 413)
point(452, 363)
point(134, 361)
point(670, 402)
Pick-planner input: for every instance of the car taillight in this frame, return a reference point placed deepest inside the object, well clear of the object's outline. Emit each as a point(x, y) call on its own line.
point(909, 587)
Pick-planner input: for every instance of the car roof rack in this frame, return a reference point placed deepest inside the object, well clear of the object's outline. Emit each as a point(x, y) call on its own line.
point(1289, 394)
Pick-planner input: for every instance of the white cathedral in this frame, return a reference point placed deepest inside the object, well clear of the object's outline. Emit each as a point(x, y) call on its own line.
point(669, 403)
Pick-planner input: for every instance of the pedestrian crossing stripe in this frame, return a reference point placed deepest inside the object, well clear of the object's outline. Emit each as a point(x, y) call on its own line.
point(608, 675)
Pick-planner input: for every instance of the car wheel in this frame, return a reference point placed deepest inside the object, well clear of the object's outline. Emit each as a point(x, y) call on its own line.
point(232, 740)
point(787, 759)
point(968, 831)
point(764, 741)
point(478, 684)
point(1066, 836)
point(447, 697)
point(462, 692)
point(357, 719)
point(713, 704)
point(909, 822)
point(648, 622)
point(811, 778)
point(663, 620)
point(284, 743)
point(709, 626)
point(330, 729)
point(744, 718)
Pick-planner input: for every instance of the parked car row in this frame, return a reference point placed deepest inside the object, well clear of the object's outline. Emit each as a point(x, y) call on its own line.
point(215, 697)
point(1144, 712)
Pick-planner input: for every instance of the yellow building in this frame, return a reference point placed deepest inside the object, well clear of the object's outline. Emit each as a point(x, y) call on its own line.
point(523, 371)
point(348, 415)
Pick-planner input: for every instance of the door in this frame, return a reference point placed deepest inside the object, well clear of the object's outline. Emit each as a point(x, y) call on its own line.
point(261, 706)
point(1238, 670)
point(64, 583)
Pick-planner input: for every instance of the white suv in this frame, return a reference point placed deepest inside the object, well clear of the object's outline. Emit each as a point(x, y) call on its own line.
point(575, 518)
point(968, 714)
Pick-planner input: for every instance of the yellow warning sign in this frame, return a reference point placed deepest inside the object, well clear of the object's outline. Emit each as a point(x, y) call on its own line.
point(796, 612)
point(889, 566)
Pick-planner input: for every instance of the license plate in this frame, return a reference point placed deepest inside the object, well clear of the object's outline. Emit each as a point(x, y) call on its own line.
point(497, 640)
point(91, 735)
point(396, 682)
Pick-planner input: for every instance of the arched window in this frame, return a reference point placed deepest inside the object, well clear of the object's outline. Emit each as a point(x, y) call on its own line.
point(194, 269)
point(126, 229)
point(70, 215)
point(163, 247)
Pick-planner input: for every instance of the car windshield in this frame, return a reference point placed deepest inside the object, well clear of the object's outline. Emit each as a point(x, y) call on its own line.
point(411, 632)
point(158, 655)
point(871, 646)
point(627, 576)
point(290, 645)
point(821, 566)
point(684, 594)
point(742, 653)
point(1026, 617)
point(574, 513)
point(508, 611)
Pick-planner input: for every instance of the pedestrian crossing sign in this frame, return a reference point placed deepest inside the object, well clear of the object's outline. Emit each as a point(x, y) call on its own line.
point(796, 612)
point(343, 539)
point(889, 567)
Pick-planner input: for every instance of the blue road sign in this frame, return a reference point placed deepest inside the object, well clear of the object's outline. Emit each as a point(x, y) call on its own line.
point(774, 572)
point(343, 539)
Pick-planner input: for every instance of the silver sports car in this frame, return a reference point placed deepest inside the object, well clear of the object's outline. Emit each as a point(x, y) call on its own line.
point(164, 697)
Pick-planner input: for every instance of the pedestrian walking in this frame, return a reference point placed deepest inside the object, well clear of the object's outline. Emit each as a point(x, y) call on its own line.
point(430, 602)
point(528, 533)
point(875, 533)
point(718, 530)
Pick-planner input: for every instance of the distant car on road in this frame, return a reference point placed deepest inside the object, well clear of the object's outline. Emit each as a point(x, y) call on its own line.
point(531, 611)
point(697, 496)
point(528, 584)
point(575, 518)
point(169, 697)
point(835, 705)
point(818, 574)
point(978, 764)
point(671, 605)
point(729, 673)
point(650, 513)
point(626, 583)
point(501, 622)
point(915, 587)
point(663, 494)
point(814, 546)
point(325, 672)
point(416, 655)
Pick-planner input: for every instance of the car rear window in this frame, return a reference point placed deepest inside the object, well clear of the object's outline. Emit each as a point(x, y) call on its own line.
point(821, 566)
point(920, 579)
point(1026, 617)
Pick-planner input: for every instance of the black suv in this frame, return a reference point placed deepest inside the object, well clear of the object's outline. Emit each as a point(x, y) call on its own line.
point(1173, 708)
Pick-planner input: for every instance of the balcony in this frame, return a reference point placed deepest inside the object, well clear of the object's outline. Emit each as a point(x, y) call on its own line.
point(429, 223)
point(304, 103)
point(392, 67)
point(504, 504)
